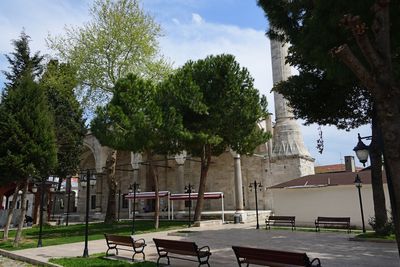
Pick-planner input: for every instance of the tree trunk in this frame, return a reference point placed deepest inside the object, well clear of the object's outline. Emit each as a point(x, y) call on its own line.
point(111, 217)
point(10, 212)
point(389, 118)
point(18, 235)
point(154, 174)
point(205, 164)
point(376, 178)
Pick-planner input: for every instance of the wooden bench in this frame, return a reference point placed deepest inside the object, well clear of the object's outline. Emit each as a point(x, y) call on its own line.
point(175, 247)
point(274, 258)
point(116, 241)
point(291, 220)
point(343, 222)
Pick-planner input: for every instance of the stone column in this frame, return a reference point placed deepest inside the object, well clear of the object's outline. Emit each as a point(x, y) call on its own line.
point(99, 192)
point(180, 182)
point(239, 215)
point(136, 159)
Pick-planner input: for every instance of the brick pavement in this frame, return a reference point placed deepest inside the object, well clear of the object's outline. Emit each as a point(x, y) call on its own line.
point(334, 249)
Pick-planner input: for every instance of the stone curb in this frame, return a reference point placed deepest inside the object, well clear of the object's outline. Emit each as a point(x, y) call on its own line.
point(373, 240)
point(35, 262)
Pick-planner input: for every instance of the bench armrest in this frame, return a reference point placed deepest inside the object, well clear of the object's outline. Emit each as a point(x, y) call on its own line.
point(316, 264)
point(207, 248)
point(140, 240)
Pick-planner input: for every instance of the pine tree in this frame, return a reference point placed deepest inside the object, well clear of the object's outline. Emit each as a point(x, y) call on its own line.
point(27, 139)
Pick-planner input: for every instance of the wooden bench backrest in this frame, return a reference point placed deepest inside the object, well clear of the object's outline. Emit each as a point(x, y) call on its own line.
point(333, 219)
point(119, 239)
point(267, 255)
point(288, 218)
point(176, 245)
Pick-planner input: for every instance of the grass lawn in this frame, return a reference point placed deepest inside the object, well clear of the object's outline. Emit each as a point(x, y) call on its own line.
point(56, 235)
point(98, 260)
point(375, 236)
point(312, 229)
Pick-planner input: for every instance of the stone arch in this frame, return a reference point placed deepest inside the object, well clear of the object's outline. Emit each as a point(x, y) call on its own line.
point(98, 151)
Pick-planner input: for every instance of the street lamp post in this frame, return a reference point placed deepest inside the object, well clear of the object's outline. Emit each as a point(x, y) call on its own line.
point(42, 184)
point(189, 190)
point(254, 185)
point(358, 184)
point(42, 189)
point(119, 202)
point(68, 188)
point(134, 188)
point(87, 180)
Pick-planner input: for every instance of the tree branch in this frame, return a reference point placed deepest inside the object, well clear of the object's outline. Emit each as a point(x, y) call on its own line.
point(344, 53)
point(358, 29)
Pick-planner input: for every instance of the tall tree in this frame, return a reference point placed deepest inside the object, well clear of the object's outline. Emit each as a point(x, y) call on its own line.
point(120, 38)
point(134, 120)
point(357, 36)
point(224, 112)
point(27, 146)
point(21, 62)
point(59, 81)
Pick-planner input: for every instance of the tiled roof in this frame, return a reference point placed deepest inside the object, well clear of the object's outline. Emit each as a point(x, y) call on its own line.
point(332, 168)
point(328, 179)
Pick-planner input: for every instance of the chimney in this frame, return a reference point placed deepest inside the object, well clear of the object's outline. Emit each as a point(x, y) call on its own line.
point(349, 164)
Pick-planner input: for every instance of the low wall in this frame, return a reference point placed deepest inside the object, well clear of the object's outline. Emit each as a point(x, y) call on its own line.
point(330, 201)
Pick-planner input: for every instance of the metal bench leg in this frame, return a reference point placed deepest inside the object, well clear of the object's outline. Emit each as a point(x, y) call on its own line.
point(112, 247)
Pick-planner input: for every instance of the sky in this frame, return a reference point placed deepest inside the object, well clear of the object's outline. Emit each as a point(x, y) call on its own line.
point(192, 29)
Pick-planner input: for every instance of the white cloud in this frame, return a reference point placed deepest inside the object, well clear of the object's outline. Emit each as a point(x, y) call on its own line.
point(197, 19)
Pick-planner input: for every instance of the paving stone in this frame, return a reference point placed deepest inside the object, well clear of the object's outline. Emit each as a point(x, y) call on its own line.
point(6, 262)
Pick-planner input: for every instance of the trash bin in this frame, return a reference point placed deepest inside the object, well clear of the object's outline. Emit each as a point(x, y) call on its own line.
point(237, 218)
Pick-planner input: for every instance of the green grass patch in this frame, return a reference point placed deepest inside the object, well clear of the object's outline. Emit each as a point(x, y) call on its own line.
point(312, 229)
point(375, 236)
point(57, 235)
point(97, 260)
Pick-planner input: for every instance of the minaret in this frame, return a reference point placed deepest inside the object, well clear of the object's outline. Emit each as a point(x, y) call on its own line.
point(290, 158)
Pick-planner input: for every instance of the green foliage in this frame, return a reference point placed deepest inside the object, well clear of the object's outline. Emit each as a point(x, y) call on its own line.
point(21, 62)
point(57, 235)
point(386, 230)
point(325, 91)
point(120, 39)
point(218, 104)
point(59, 82)
point(27, 139)
point(134, 120)
point(99, 260)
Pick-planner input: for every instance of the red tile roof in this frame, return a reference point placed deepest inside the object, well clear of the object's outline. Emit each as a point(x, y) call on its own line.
point(328, 179)
point(332, 168)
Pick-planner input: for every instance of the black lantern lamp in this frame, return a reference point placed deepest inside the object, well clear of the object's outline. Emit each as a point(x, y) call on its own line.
point(189, 190)
point(362, 150)
point(134, 188)
point(256, 186)
point(87, 180)
point(34, 189)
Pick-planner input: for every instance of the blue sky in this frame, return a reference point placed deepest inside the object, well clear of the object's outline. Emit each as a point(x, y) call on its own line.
point(192, 29)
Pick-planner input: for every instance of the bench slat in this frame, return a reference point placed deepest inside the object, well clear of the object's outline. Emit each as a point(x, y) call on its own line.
point(281, 220)
point(336, 221)
point(333, 219)
point(269, 257)
point(186, 248)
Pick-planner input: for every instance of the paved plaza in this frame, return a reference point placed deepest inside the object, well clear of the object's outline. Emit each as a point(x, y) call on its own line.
point(334, 249)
